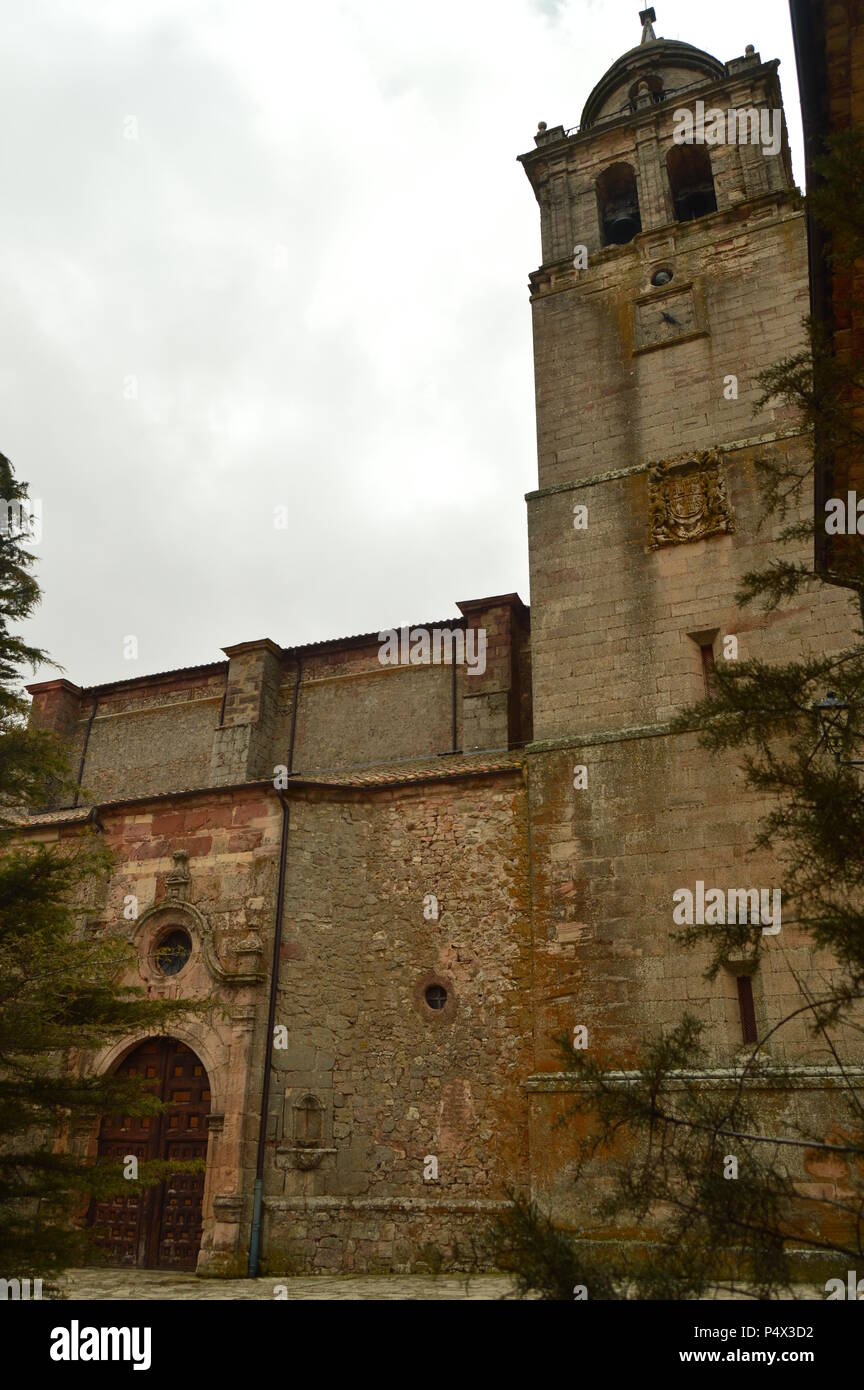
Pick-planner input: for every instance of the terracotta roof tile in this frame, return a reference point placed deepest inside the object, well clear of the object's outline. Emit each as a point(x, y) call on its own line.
point(438, 769)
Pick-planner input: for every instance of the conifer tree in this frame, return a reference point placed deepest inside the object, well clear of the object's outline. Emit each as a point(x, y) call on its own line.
point(61, 990)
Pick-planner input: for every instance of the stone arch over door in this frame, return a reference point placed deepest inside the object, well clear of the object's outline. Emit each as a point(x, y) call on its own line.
point(161, 1227)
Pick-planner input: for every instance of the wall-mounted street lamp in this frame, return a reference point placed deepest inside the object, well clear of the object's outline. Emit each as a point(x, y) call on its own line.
point(833, 715)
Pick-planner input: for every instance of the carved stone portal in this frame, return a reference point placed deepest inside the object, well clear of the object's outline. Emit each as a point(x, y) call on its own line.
point(687, 499)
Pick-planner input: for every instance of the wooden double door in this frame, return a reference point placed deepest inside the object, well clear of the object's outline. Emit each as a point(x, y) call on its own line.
point(161, 1227)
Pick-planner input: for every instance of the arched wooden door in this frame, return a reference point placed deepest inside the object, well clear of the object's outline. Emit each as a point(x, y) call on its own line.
point(161, 1228)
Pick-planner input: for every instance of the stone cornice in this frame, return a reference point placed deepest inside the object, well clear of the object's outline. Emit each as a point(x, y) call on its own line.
point(560, 277)
point(386, 1204)
point(774, 1076)
point(734, 445)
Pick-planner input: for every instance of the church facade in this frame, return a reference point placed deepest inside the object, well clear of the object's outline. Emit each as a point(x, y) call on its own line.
point(399, 883)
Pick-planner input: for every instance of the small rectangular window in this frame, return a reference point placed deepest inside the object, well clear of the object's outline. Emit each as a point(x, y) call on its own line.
point(747, 1009)
point(707, 653)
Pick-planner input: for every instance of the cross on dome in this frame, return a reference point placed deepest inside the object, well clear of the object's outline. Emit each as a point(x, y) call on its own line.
point(647, 18)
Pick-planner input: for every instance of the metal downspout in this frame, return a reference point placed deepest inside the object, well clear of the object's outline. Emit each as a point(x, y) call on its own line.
point(84, 749)
point(258, 1193)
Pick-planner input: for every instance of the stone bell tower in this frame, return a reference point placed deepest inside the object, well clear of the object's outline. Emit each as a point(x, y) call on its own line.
point(673, 271)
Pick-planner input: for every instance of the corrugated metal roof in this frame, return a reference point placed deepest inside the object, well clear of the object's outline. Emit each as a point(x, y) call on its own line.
point(211, 668)
point(327, 643)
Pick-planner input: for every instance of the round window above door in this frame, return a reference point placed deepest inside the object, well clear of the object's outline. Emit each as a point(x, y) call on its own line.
point(172, 951)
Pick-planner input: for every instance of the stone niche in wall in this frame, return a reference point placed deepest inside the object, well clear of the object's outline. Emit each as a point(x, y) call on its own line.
point(307, 1125)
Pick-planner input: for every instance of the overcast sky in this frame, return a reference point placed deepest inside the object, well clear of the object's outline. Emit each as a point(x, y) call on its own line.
point(267, 254)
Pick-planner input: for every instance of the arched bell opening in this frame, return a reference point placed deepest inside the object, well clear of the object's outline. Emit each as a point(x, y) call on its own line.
point(691, 182)
point(618, 205)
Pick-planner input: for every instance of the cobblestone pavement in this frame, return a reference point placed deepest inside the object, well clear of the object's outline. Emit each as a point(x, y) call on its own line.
point(124, 1284)
point(99, 1285)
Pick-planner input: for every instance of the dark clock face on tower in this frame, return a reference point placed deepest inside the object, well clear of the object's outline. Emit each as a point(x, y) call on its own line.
point(663, 318)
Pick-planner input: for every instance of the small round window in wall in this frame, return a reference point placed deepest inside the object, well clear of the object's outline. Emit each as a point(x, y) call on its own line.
point(172, 952)
point(661, 277)
point(435, 996)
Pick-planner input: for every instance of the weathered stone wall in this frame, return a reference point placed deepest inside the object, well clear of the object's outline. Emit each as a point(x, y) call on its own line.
point(380, 714)
point(136, 737)
point(604, 602)
point(658, 814)
point(398, 1081)
point(617, 385)
point(814, 1104)
point(844, 53)
point(157, 746)
point(618, 626)
point(368, 1235)
point(232, 722)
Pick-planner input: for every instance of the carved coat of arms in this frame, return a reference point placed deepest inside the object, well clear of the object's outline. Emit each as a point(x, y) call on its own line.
point(688, 499)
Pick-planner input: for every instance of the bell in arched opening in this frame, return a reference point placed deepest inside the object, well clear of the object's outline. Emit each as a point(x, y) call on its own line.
point(618, 205)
